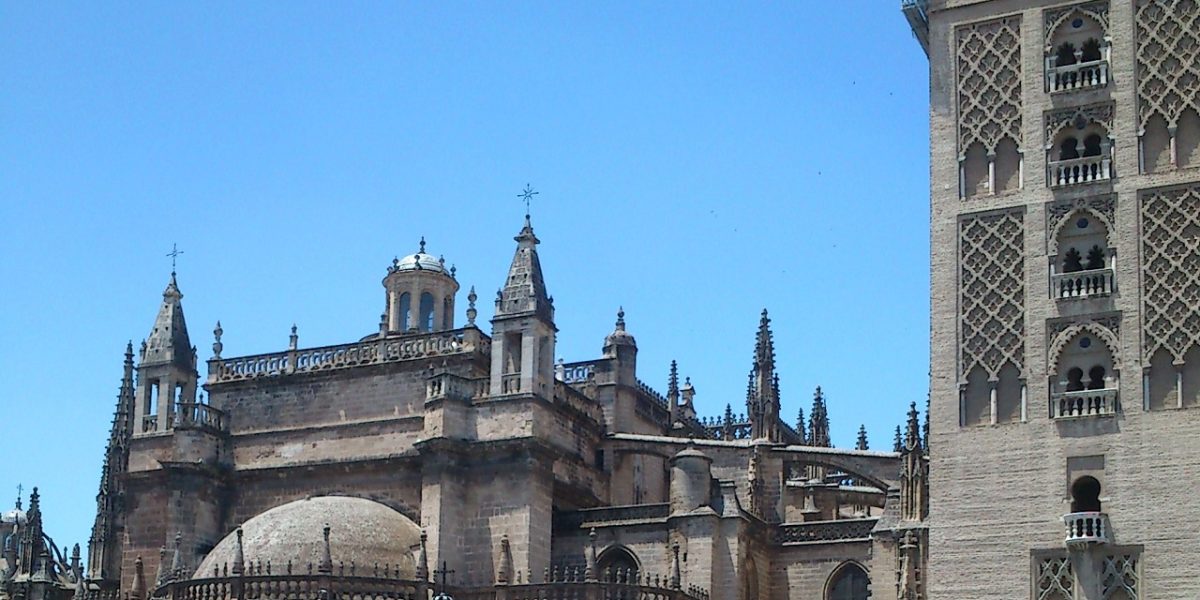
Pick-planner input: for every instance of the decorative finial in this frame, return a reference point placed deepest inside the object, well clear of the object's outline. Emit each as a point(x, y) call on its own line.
point(453, 270)
point(20, 488)
point(239, 558)
point(174, 253)
point(471, 312)
point(326, 565)
point(423, 560)
point(293, 339)
point(621, 318)
point(527, 195)
point(422, 249)
point(217, 345)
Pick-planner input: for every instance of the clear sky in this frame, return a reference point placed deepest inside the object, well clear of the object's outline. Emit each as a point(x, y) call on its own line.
point(696, 162)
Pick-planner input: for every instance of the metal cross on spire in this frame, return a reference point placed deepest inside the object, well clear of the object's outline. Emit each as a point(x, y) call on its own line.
point(527, 195)
point(20, 490)
point(174, 253)
point(442, 573)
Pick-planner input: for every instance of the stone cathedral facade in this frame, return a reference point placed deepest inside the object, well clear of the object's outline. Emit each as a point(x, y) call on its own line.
point(429, 457)
point(1065, 152)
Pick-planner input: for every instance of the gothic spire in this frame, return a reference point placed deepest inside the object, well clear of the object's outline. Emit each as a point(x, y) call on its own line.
point(168, 341)
point(762, 402)
point(912, 438)
point(103, 556)
point(862, 439)
point(802, 426)
point(818, 421)
point(525, 289)
point(898, 444)
point(673, 394)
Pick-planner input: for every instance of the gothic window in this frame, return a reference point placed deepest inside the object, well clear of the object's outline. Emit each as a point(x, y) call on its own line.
point(617, 564)
point(750, 580)
point(426, 321)
point(1167, 35)
point(849, 582)
point(406, 312)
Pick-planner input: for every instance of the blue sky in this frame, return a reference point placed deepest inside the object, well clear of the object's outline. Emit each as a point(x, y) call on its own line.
point(696, 162)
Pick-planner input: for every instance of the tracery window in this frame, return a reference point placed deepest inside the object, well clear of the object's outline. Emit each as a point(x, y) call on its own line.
point(849, 582)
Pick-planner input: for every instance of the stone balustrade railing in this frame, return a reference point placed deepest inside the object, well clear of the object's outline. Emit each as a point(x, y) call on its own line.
point(510, 383)
point(344, 356)
point(1083, 403)
point(449, 385)
point(610, 515)
point(1076, 171)
point(1087, 528)
point(198, 415)
point(841, 530)
point(1083, 284)
point(1078, 76)
point(149, 423)
point(576, 372)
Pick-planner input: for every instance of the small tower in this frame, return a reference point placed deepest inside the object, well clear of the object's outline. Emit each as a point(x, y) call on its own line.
point(621, 345)
point(104, 545)
point(167, 369)
point(420, 294)
point(523, 326)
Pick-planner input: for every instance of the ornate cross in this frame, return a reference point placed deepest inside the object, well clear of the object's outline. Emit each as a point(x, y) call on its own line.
point(20, 490)
point(174, 253)
point(441, 574)
point(527, 195)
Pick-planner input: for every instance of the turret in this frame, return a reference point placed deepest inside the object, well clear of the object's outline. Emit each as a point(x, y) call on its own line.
point(419, 294)
point(167, 369)
point(523, 326)
point(621, 345)
point(691, 480)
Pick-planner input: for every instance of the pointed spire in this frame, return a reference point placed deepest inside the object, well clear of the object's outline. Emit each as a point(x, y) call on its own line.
point(912, 438)
point(589, 571)
point(239, 557)
point(862, 439)
point(168, 341)
point(675, 575)
point(898, 444)
point(525, 289)
point(423, 559)
point(177, 568)
point(801, 426)
point(673, 395)
point(137, 590)
point(762, 399)
point(504, 572)
point(471, 312)
point(326, 555)
point(925, 433)
point(818, 421)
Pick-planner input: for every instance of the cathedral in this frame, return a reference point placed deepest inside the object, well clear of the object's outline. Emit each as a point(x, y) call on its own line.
point(463, 460)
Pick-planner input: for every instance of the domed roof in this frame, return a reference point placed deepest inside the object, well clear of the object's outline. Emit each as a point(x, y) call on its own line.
point(421, 261)
point(361, 531)
point(620, 337)
point(14, 515)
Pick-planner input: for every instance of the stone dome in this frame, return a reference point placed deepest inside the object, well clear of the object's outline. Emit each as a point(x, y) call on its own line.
point(14, 516)
point(361, 531)
point(420, 262)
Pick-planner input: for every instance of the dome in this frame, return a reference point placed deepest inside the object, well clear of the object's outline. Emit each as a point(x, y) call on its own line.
point(419, 262)
point(15, 515)
point(620, 337)
point(361, 531)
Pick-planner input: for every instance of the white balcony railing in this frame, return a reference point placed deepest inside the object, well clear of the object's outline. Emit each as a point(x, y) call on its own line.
point(1087, 528)
point(1083, 403)
point(1079, 76)
point(1075, 171)
point(1082, 284)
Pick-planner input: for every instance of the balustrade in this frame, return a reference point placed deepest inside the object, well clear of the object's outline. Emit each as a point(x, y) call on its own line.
point(825, 531)
point(1083, 403)
point(449, 385)
point(369, 352)
point(1083, 284)
point(1087, 528)
point(149, 423)
point(195, 414)
point(510, 383)
point(1078, 76)
point(1076, 171)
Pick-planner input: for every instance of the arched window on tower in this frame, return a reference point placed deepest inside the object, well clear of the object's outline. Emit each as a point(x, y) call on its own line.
point(1085, 495)
point(405, 312)
point(1081, 153)
point(1082, 266)
point(849, 582)
point(1085, 385)
point(1076, 57)
point(426, 321)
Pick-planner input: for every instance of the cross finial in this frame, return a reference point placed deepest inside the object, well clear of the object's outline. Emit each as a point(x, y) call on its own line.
point(20, 490)
point(527, 195)
point(174, 253)
point(441, 574)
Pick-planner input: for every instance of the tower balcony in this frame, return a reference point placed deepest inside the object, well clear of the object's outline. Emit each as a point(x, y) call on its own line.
point(1087, 528)
point(1083, 284)
point(1083, 403)
point(1078, 171)
point(1079, 76)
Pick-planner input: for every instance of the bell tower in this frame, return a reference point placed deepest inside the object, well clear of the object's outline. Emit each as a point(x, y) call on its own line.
point(523, 326)
point(167, 367)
